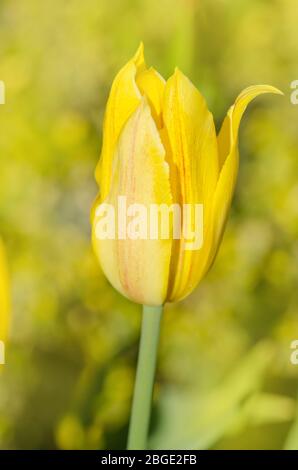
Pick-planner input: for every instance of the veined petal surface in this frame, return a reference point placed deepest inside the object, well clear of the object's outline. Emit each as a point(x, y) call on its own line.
point(193, 163)
point(152, 85)
point(139, 268)
point(123, 100)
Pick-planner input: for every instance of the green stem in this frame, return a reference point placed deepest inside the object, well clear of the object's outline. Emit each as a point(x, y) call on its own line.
point(141, 405)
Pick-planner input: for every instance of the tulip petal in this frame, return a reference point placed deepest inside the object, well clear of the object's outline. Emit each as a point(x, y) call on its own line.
point(229, 130)
point(229, 159)
point(152, 85)
point(138, 268)
point(123, 100)
point(194, 168)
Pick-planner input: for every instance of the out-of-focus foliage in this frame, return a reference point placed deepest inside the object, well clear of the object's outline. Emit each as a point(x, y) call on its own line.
point(224, 378)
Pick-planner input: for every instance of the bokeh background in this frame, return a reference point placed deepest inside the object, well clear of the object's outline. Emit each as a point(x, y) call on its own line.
point(224, 377)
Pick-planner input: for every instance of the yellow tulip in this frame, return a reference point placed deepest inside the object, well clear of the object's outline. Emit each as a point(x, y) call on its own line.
point(160, 147)
point(4, 298)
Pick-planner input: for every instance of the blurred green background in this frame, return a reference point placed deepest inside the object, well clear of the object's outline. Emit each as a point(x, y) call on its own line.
point(224, 377)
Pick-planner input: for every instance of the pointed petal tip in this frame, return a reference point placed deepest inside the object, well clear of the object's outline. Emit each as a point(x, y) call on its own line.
point(141, 47)
point(142, 106)
point(178, 73)
point(255, 90)
point(268, 89)
point(138, 58)
point(275, 90)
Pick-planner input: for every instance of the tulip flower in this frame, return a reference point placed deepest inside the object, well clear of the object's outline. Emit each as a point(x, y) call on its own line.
point(4, 301)
point(160, 148)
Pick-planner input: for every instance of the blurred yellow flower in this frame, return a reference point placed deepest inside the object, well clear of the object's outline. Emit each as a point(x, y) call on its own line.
point(160, 147)
point(4, 296)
